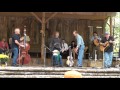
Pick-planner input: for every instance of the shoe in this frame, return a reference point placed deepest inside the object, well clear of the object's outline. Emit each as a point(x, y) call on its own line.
point(107, 67)
point(56, 65)
point(79, 66)
point(15, 65)
point(100, 59)
point(61, 66)
point(53, 65)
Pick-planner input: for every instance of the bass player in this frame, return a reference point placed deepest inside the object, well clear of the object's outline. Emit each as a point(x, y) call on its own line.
point(15, 46)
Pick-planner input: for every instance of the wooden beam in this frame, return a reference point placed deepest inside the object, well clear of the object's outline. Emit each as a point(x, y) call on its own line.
point(36, 17)
point(111, 27)
point(51, 17)
point(43, 37)
point(108, 24)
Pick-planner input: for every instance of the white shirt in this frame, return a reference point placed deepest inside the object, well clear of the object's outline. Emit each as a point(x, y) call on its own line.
point(64, 46)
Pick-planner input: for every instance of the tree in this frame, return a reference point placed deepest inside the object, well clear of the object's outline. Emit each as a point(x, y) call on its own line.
point(116, 31)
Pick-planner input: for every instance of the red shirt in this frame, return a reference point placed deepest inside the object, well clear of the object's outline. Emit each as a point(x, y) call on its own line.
point(3, 45)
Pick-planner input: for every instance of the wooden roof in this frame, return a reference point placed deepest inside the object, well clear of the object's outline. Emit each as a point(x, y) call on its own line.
point(77, 15)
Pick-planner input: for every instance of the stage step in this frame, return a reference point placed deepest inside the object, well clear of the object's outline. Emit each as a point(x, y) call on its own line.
point(51, 76)
point(57, 72)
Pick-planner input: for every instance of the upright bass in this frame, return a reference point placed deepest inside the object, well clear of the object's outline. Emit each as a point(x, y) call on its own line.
point(24, 57)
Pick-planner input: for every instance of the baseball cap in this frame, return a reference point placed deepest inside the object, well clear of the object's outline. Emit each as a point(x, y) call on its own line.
point(107, 33)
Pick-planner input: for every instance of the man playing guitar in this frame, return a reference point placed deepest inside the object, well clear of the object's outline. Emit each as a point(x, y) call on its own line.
point(95, 45)
point(108, 52)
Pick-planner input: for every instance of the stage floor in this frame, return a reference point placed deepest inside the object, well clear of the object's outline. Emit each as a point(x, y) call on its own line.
point(86, 63)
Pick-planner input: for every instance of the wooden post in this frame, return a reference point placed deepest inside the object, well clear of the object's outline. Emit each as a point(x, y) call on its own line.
point(111, 31)
point(51, 17)
point(43, 37)
point(36, 17)
point(114, 27)
point(90, 43)
point(43, 21)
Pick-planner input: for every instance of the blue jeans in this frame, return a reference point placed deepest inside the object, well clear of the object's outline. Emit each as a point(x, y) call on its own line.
point(15, 55)
point(80, 55)
point(108, 56)
point(56, 60)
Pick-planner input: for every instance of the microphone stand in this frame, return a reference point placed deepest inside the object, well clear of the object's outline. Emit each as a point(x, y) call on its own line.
point(45, 47)
point(44, 55)
point(103, 59)
point(95, 59)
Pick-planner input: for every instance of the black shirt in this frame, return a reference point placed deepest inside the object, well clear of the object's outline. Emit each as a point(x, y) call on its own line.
point(15, 37)
point(73, 46)
point(109, 49)
point(55, 44)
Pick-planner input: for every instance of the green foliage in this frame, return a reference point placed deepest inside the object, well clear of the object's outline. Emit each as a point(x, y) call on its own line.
point(116, 31)
point(3, 58)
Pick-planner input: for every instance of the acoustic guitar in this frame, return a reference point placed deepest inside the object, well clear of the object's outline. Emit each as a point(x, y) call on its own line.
point(96, 42)
point(105, 46)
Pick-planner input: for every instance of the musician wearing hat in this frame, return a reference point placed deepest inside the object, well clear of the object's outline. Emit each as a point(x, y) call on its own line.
point(108, 42)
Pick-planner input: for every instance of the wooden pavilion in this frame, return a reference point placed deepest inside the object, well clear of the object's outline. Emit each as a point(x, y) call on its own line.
point(41, 25)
